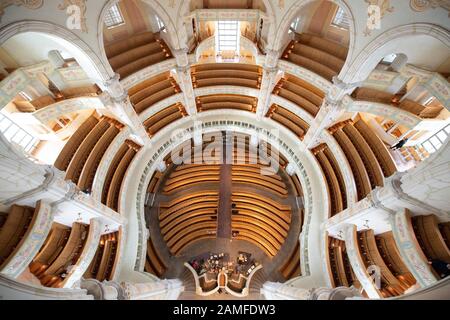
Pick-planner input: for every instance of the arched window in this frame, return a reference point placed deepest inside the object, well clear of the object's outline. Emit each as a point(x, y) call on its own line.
point(113, 17)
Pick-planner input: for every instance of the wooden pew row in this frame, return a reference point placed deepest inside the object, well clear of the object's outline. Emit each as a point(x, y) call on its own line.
point(15, 229)
point(213, 74)
point(112, 169)
point(359, 171)
point(426, 230)
point(265, 182)
point(320, 56)
point(85, 91)
point(378, 147)
point(371, 164)
point(205, 230)
point(264, 228)
point(71, 146)
point(95, 156)
point(336, 252)
point(163, 118)
point(54, 244)
point(155, 182)
point(172, 214)
point(291, 268)
point(288, 119)
point(193, 174)
point(257, 239)
point(445, 231)
point(53, 274)
point(312, 65)
point(153, 263)
point(390, 254)
point(390, 285)
point(269, 205)
point(112, 199)
point(80, 157)
point(102, 265)
point(333, 186)
point(139, 51)
point(153, 90)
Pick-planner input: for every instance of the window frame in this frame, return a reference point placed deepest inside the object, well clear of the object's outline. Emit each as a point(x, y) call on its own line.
point(110, 15)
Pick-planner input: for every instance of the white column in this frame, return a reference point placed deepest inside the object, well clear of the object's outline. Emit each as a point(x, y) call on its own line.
point(185, 80)
point(157, 290)
point(352, 248)
point(410, 250)
point(268, 82)
point(96, 227)
point(116, 99)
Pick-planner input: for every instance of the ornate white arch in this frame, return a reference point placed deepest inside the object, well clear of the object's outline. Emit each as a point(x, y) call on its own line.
point(374, 51)
point(93, 65)
point(183, 11)
point(292, 12)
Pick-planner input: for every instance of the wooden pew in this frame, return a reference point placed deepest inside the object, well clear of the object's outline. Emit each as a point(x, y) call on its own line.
point(112, 200)
point(154, 264)
point(359, 171)
point(333, 188)
point(257, 239)
point(212, 74)
point(86, 91)
point(190, 236)
point(163, 118)
point(71, 146)
point(428, 235)
point(112, 169)
point(80, 157)
point(54, 244)
point(15, 230)
point(291, 268)
point(378, 147)
point(68, 256)
point(371, 164)
point(93, 161)
point(336, 168)
point(291, 121)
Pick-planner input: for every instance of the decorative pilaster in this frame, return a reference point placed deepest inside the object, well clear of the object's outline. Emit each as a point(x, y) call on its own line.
point(268, 82)
point(33, 241)
point(90, 247)
point(185, 82)
point(157, 290)
point(351, 245)
point(116, 99)
point(410, 250)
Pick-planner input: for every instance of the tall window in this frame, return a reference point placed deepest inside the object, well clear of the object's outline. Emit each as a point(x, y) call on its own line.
point(227, 36)
point(341, 20)
point(113, 17)
point(161, 25)
point(294, 25)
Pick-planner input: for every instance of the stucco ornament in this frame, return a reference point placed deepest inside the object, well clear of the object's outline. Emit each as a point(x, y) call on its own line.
point(423, 5)
point(376, 11)
point(29, 4)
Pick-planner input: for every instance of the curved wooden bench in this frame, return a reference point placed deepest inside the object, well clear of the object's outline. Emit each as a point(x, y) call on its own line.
point(124, 58)
point(226, 81)
point(154, 264)
point(71, 249)
point(178, 200)
point(81, 155)
point(367, 156)
point(312, 65)
point(241, 74)
point(304, 90)
point(194, 236)
point(264, 201)
point(15, 230)
point(260, 182)
point(112, 200)
point(298, 131)
point(263, 234)
point(378, 147)
point(264, 223)
point(189, 182)
point(430, 238)
point(257, 240)
point(93, 161)
point(325, 45)
point(199, 220)
point(356, 163)
point(71, 146)
point(319, 56)
point(291, 267)
point(226, 105)
point(206, 200)
point(111, 170)
point(333, 188)
point(136, 65)
point(210, 212)
point(187, 209)
point(226, 66)
point(141, 90)
point(150, 100)
point(124, 45)
point(255, 170)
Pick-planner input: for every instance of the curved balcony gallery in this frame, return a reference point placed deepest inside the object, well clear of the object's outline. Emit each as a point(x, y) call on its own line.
point(288, 119)
point(378, 96)
point(334, 179)
point(226, 101)
point(163, 118)
point(116, 174)
point(368, 157)
point(14, 228)
point(61, 249)
point(291, 268)
point(235, 74)
point(145, 94)
point(137, 52)
point(83, 152)
point(46, 101)
point(300, 92)
point(319, 55)
point(104, 262)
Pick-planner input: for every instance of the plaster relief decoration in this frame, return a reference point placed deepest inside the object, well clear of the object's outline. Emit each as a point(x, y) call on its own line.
point(281, 4)
point(376, 10)
point(76, 14)
point(424, 5)
point(29, 4)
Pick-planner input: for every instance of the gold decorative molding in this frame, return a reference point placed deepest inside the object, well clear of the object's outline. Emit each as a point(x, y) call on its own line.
point(29, 4)
point(384, 8)
point(424, 5)
point(76, 17)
